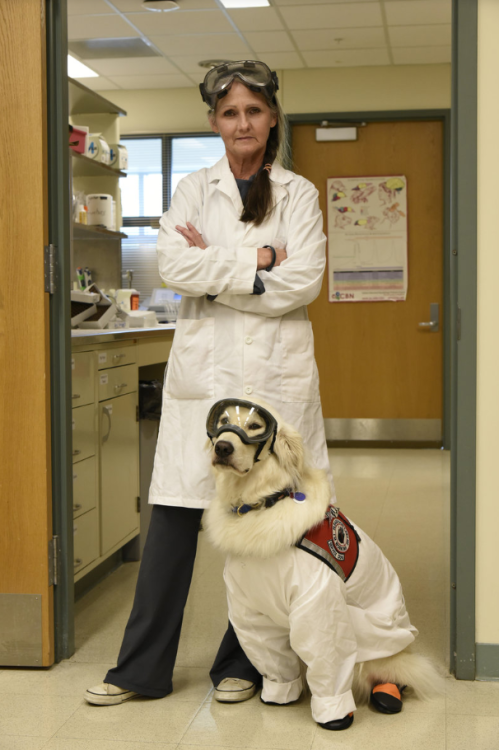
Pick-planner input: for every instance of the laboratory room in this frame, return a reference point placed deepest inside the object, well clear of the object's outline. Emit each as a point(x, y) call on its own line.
point(247, 469)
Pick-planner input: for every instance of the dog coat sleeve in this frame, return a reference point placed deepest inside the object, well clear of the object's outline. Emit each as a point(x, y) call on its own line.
point(335, 542)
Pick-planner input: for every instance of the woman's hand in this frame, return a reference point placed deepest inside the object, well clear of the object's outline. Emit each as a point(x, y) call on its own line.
point(265, 257)
point(192, 236)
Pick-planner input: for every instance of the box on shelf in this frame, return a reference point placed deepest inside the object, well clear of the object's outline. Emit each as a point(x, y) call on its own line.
point(98, 148)
point(78, 137)
point(119, 156)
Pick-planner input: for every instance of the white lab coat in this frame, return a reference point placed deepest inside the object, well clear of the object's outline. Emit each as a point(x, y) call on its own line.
point(240, 345)
point(293, 605)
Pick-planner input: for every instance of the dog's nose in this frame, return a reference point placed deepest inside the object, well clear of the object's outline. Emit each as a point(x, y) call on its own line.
point(223, 448)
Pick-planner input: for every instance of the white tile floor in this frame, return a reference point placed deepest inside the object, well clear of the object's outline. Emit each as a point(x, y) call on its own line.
point(401, 499)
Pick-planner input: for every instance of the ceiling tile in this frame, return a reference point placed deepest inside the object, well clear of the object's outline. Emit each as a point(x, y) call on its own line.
point(350, 38)
point(439, 34)
point(130, 6)
point(345, 15)
point(152, 82)
point(281, 60)
point(210, 45)
point(256, 19)
point(97, 84)
point(189, 22)
point(123, 66)
point(269, 41)
point(418, 12)
point(99, 27)
point(87, 7)
point(346, 58)
point(421, 55)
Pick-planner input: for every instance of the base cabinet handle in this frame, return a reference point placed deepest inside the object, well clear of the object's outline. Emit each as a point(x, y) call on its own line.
point(76, 453)
point(78, 561)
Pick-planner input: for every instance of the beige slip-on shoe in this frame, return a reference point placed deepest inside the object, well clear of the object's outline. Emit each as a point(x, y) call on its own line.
point(234, 690)
point(106, 694)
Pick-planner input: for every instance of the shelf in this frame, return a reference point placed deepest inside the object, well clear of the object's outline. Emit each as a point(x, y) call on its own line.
point(83, 166)
point(84, 101)
point(84, 232)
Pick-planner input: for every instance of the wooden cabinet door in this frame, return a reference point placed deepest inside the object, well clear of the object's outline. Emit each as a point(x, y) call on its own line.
point(26, 590)
point(119, 469)
point(375, 362)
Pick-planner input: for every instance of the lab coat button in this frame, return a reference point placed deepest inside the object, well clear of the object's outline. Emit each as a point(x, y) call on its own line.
point(248, 340)
point(248, 389)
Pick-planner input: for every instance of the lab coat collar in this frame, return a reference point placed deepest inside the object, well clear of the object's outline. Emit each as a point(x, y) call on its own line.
point(220, 173)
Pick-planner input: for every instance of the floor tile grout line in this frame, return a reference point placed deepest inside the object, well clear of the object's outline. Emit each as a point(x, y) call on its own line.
point(201, 705)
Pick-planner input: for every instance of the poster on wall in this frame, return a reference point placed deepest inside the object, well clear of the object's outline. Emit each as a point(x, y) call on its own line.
point(367, 238)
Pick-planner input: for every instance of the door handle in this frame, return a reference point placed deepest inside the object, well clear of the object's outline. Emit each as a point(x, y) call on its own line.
point(432, 325)
point(107, 411)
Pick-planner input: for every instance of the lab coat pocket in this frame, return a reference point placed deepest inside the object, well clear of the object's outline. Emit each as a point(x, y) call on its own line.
point(191, 363)
point(299, 375)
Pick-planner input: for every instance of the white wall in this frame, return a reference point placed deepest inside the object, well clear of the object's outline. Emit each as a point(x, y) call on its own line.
point(321, 90)
point(487, 559)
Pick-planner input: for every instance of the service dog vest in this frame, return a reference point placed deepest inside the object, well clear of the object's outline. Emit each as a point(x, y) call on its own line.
point(335, 542)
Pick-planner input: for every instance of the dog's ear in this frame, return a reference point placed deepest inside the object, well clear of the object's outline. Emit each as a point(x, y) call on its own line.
point(288, 449)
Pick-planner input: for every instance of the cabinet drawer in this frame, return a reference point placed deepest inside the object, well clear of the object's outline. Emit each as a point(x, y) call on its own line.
point(84, 486)
point(86, 539)
point(83, 378)
point(116, 356)
point(84, 432)
point(118, 381)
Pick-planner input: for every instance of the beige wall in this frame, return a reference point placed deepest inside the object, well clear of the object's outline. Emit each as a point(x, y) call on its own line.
point(321, 90)
point(487, 595)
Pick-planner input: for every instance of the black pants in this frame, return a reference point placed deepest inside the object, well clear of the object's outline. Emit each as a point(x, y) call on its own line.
point(150, 644)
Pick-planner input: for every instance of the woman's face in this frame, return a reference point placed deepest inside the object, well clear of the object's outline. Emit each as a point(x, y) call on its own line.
point(243, 119)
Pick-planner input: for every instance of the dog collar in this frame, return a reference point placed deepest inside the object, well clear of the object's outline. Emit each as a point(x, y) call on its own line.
point(270, 501)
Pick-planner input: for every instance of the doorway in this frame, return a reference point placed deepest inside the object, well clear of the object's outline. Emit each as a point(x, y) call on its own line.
point(391, 385)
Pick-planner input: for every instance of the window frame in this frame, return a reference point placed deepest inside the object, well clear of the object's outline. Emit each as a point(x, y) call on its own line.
point(166, 169)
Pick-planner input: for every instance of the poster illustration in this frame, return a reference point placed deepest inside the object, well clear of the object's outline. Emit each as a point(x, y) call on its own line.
point(367, 238)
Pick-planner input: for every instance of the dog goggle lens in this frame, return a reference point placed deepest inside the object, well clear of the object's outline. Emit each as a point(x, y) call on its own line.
point(251, 422)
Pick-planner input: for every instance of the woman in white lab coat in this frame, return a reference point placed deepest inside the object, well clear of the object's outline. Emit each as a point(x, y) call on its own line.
point(243, 244)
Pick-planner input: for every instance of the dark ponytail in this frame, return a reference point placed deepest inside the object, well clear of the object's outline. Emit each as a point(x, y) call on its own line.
point(258, 203)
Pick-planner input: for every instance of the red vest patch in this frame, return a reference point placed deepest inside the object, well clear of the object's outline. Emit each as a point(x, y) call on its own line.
point(335, 542)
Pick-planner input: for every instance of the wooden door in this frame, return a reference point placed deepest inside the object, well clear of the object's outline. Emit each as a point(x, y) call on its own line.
point(26, 596)
point(375, 362)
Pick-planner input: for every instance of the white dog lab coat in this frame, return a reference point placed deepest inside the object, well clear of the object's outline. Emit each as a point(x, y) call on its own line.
point(239, 345)
point(294, 605)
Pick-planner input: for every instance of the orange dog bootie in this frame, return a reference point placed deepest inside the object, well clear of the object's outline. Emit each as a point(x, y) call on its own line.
point(387, 698)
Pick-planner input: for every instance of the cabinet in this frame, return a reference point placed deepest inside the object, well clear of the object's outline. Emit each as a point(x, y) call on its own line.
point(84, 419)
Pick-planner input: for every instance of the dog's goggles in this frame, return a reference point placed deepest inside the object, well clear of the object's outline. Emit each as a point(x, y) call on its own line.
point(250, 422)
point(254, 74)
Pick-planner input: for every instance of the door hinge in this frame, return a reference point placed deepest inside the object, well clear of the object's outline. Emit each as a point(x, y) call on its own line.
point(458, 324)
point(49, 257)
point(138, 505)
point(54, 561)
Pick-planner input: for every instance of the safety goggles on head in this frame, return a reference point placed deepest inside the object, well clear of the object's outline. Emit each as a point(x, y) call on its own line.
point(254, 74)
point(251, 422)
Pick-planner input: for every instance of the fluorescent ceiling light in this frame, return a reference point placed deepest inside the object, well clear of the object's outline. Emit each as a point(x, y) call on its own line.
point(77, 69)
point(245, 3)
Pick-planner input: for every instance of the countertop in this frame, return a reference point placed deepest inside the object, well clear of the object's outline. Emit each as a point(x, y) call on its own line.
point(84, 336)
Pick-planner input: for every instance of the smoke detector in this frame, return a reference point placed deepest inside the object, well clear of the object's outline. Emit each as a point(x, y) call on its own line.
point(160, 6)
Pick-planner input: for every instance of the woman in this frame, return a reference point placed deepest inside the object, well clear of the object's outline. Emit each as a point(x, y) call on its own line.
point(243, 244)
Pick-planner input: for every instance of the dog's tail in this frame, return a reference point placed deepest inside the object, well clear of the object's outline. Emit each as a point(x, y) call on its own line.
point(405, 668)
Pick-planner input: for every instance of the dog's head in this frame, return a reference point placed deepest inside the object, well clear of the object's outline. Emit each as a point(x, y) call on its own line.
point(244, 434)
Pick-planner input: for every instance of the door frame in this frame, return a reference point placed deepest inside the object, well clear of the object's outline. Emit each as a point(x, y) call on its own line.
point(60, 322)
point(444, 116)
